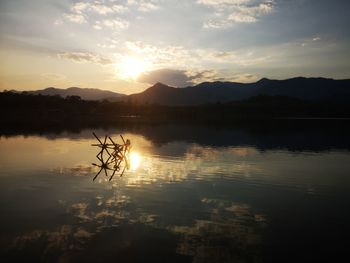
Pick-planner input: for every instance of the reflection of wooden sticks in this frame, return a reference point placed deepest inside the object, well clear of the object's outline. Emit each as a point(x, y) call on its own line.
point(118, 156)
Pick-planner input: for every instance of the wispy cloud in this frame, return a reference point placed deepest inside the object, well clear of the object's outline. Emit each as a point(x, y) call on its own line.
point(103, 9)
point(245, 78)
point(199, 76)
point(75, 18)
point(85, 57)
point(115, 24)
point(162, 56)
point(179, 56)
point(79, 7)
point(100, 7)
point(228, 12)
point(145, 5)
point(310, 41)
point(80, 12)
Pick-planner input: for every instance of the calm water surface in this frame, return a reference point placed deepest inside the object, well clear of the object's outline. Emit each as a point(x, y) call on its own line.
point(191, 195)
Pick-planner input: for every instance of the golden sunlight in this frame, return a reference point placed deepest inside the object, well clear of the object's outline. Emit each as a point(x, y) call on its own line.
point(130, 67)
point(135, 159)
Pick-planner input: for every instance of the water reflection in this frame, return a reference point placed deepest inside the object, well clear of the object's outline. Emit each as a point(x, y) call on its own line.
point(180, 201)
point(135, 160)
point(233, 233)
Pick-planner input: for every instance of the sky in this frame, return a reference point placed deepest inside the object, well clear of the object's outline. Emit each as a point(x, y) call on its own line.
point(128, 45)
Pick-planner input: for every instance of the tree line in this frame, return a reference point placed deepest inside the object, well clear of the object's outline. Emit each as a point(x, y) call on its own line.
point(27, 108)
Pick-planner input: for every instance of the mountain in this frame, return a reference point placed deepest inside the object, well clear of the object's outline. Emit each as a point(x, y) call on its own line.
point(83, 93)
point(314, 89)
point(207, 92)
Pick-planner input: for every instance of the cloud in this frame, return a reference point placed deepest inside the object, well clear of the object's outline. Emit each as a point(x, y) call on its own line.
point(85, 57)
point(178, 66)
point(75, 18)
point(99, 7)
point(163, 56)
point(171, 77)
point(178, 78)
point(241, 57)
point(309, 41)
point(222, 2)
point(203, 76)
point(104, 9)
point(79, 7)
point(229, 12)
point(81, 11)
point(245, 78)
point(216, 24)
point(115, 24)
point(145, 5)
point(250, 14)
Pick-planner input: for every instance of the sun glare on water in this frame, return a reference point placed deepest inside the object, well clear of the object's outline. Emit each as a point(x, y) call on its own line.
point(135, 160)
point(131, 67)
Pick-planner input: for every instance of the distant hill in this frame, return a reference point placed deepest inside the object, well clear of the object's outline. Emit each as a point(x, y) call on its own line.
point(315, 89)
point(83, 93)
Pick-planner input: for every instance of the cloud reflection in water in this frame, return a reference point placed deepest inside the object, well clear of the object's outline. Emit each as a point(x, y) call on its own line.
point(189, 193)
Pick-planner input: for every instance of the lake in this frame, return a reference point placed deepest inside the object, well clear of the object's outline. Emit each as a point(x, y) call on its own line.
point(192, 194)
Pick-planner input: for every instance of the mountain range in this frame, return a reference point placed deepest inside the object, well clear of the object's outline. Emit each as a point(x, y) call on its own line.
point(83, 93)
point(310, 89)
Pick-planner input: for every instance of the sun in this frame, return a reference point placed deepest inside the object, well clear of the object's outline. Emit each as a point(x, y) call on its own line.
point(131, 67)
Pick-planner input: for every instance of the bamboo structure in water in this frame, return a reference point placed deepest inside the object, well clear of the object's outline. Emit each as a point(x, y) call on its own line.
point(113, 157)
